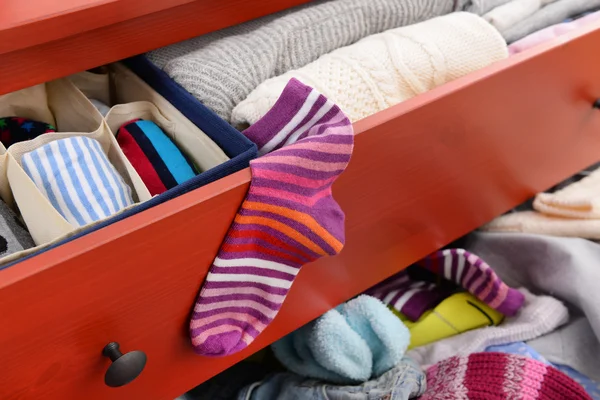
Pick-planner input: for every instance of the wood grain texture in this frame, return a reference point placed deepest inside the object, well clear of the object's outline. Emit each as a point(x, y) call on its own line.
point(74, 41)
point(423, 173)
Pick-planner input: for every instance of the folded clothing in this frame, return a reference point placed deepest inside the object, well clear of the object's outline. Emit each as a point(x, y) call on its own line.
point(459, 313)
point(15, 129)
point(154, 156)
point(102, 107)
point(480, 7)
point(535, 222)
point(551, 14)
point(550, 33)
point(77, 178)
point(385, 69)
point(352, 343)
point(518, 348)
point(222, 69)
point(499, 376)
point(404, 381)
point(13, 236)
point(539, 316)
point(509, 14)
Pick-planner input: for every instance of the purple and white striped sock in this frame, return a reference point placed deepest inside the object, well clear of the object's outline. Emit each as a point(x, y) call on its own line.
point(289, 218)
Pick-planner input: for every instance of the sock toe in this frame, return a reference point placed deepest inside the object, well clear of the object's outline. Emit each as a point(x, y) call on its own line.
point(221, 344)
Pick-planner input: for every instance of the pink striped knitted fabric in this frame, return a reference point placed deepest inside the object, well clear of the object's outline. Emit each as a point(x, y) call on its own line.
point(499, 376)
point(412, 298)
point(289, 218)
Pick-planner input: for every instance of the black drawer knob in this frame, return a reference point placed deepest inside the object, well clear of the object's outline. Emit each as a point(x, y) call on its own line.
point(125, 367)
point(597, 104)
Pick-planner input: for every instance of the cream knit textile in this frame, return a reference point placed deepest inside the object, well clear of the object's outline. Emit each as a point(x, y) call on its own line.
point(535, 222)
point(573, 211)
point(509, 14)
point(385, 69)
point(540, 315)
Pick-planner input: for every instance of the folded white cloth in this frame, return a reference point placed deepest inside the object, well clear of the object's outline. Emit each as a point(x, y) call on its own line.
point(539, 315)
point(385, 69)
point(511, 13)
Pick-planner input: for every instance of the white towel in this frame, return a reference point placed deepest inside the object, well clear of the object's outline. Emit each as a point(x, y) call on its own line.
point(385, 69)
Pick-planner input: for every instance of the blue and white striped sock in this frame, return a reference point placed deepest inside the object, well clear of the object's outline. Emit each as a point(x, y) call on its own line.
point(77, 178)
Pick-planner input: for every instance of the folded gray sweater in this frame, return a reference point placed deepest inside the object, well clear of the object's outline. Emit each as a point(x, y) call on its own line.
point(221, 69)
point(553, 13)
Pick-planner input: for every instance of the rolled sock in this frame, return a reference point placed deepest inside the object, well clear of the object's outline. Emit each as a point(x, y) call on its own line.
point(77, 178)
point(409, 297)
point(352, 343)
point(476, 276)
point(103, 108)
point(550, 15)
point(15, 129)
point(289, 218)
point(13, 236)
point(154, 156)
point(550, 33)
point(385, 69)
point(509, 14)
point(222, 69)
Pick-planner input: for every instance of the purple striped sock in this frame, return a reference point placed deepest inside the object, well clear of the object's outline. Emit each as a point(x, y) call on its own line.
point(289, 218)
point(410, 297)
point(476, 276)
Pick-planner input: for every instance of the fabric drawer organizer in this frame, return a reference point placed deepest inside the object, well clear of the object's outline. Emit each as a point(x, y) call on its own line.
point(216, 148)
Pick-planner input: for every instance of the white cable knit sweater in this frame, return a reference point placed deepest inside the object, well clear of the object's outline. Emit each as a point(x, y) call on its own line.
point(385, 69)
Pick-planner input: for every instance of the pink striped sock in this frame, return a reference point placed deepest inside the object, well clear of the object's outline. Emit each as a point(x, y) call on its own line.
point(476, 276)
point(289, 218)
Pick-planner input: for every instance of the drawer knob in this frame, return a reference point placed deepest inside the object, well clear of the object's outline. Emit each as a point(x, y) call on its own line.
point(125, 367)
point(597, 104)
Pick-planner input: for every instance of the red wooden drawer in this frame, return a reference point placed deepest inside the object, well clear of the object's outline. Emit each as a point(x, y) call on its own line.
point(423, 173)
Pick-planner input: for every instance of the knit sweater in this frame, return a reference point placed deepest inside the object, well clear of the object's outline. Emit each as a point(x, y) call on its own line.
point(385, 69)
point(222, 69)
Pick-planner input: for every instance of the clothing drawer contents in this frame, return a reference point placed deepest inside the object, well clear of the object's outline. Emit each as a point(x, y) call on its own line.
point(62, 169)
point(154, 156)
point(385, 69)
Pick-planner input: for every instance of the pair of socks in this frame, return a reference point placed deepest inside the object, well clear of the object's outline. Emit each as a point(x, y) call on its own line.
point(288, 219)
point(412, 298)
point(571, 211)
point(13, 235)
point(154, 156)
point(15, 129)
point(77, 178)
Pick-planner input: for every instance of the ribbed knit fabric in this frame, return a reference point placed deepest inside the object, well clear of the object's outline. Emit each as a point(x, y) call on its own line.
point(476, 276)
point(509, 14)
point(549, 15)
point(388, 68)
point(499, 376)
point(289, 218)
point(222, 69)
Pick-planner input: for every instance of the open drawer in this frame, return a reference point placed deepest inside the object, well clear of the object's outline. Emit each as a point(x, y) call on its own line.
point(423, 173)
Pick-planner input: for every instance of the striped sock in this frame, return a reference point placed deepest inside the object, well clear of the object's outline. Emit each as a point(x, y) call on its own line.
point(476, 276)
point(289, 218)
point(408, 296)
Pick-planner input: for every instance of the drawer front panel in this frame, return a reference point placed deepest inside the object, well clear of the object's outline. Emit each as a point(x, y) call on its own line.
point(423, 173)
